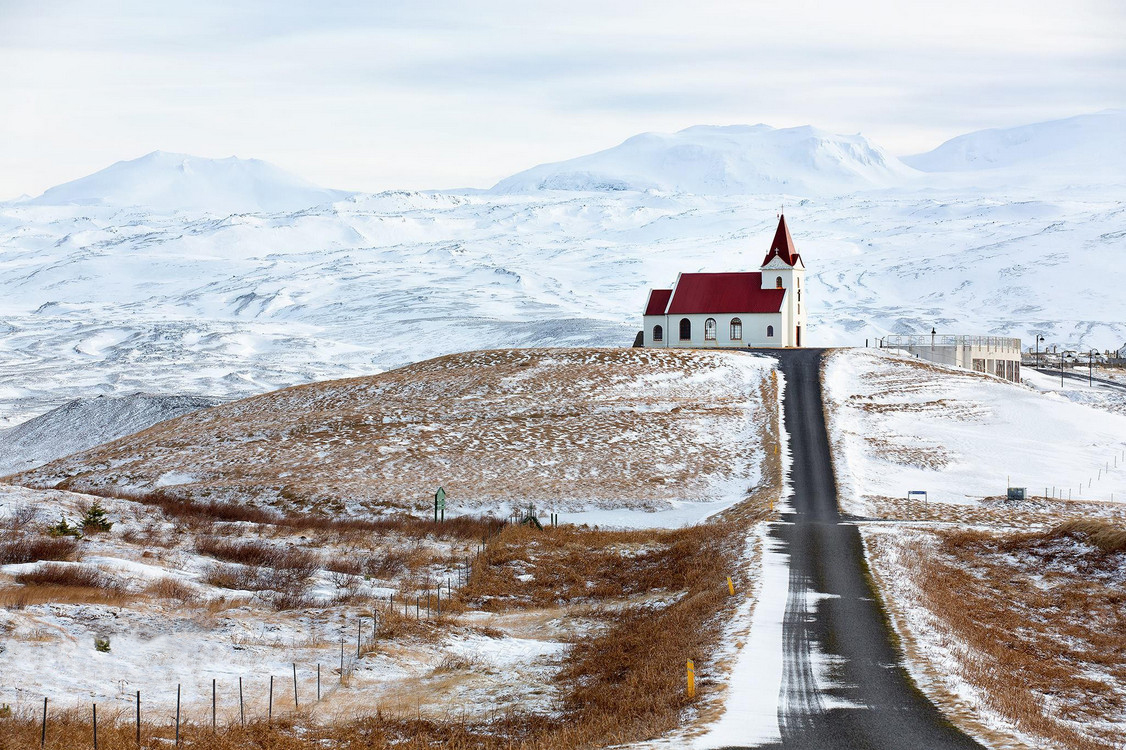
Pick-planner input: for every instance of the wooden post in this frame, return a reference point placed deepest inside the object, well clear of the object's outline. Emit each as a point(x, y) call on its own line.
point(730, 586)
point(296, 705)
point(438, 599)
point(138, 718)
point(417, 609)
point(95, 726)
point(359, 624)
point(318, 683)
point(177, 715)
point(43, 731)
point(241, 704)
point(213, 705)
point(270, 705)
point(691, 679)
point(342, 661)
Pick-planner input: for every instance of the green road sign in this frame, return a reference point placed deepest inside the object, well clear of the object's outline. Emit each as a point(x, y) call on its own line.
point(440, 504)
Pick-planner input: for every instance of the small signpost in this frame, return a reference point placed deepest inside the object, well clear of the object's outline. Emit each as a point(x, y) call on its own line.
point(440, 505)
point(915, 493)
point(691, 679)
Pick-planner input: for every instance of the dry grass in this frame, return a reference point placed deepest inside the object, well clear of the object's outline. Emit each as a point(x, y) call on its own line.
point(58, 574)
point(20, 547)
point(1049, 654)
point(489, 426)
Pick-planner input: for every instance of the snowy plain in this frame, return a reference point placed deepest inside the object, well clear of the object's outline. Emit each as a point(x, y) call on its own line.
point(112, 297)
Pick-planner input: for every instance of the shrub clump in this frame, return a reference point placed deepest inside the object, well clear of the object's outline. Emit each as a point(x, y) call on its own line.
point(25, 548)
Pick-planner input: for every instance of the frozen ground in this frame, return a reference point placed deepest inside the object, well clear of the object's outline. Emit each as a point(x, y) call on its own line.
point(563, 429)
point(900, 424)
point(103, 300)
point(207, 632)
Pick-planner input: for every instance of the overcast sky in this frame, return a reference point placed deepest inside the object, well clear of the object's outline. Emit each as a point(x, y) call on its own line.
point(430, 94)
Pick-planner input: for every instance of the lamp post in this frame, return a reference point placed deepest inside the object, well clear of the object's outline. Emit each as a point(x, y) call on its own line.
point(1038, 340)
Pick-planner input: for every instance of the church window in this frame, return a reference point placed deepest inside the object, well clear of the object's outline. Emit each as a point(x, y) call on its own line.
point(685, 329)
point(658, 333)
point(736, 329)
point(799, 295)
point(770, 332)
point(778, 283)
point(709, 329)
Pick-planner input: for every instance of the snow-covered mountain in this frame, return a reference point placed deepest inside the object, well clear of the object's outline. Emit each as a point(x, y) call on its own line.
point(1086, 145)
point(180, 182)
point(729, 160)
point(99, 300)
point(86, 422)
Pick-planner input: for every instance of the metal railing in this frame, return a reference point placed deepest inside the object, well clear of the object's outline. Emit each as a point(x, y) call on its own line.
point(993, 343)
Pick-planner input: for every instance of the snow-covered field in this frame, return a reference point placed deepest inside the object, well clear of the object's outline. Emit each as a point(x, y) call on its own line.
point(159, 638)
point(900, 424)
point(120, 298)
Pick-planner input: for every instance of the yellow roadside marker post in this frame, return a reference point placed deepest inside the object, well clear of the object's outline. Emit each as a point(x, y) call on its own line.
point(691, 679)
point(730, 586)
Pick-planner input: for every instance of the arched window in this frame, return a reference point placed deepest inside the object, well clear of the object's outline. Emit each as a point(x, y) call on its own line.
point(709, 329)
point(685, 329)
point(778, 283)
point(770, 332)
point(736, 329)
point(658, 333)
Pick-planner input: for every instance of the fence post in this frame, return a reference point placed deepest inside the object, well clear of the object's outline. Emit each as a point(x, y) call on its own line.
point(43, 732)
point(95, 726)
point(241, 704)
point(296, 705)
point(318, 683)
point(213, 705)
point(691, 679)
point(359, 626)
point(341, 661)
point(270, 705)
point(138, 718)
point(177, 715)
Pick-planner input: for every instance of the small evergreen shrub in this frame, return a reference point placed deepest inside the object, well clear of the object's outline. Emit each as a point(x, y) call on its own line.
point(95, 519)
point(101, 644)
point(62, 528)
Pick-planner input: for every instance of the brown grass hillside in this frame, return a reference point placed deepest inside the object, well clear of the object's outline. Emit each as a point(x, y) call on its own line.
point(558, 427)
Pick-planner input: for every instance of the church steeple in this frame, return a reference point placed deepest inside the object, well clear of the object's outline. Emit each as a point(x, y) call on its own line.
point(783, 245)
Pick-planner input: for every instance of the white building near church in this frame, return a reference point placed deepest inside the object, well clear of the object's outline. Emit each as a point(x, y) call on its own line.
point(739, 309)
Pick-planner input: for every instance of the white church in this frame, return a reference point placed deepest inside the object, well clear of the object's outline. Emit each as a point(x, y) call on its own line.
point(733, 310)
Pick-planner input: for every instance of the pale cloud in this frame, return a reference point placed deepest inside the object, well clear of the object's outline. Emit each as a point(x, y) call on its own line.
point(442, 94)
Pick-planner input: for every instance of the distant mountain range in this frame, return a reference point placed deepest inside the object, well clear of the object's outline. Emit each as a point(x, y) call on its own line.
point(730, 160)
point(1084, 145)
point(702, 160)
point(169, 182)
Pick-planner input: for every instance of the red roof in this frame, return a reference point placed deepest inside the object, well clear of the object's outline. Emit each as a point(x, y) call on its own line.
point(658, 301)
point(710, 293)
point(783, 245)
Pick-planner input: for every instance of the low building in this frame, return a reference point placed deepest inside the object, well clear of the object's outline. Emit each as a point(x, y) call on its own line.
point(996, 355)
point(734, 309)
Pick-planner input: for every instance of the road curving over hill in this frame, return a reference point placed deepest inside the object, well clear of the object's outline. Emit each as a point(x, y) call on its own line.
point(844, 685)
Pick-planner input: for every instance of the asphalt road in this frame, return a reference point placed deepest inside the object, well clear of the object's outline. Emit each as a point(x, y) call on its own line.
point(1072, 375)
point(843, 683)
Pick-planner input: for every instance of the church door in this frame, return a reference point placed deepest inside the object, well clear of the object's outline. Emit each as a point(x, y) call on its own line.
point(797, 337)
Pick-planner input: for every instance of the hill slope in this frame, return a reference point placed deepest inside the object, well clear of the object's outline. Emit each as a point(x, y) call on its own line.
point(563, 428)
point(85, 423)
point(1086, 145)
point(180, 182)
point(731, 160)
